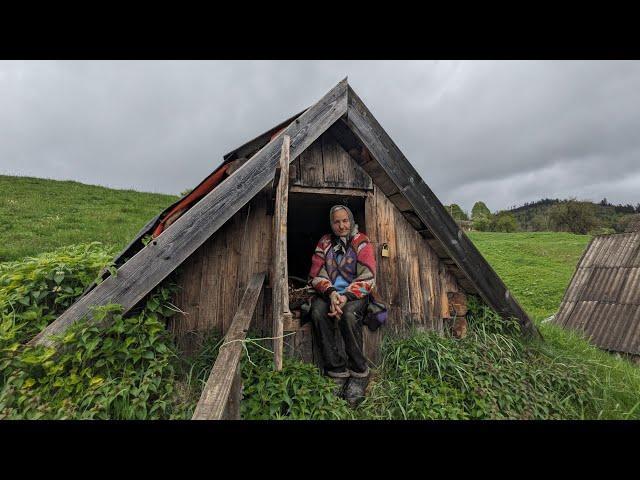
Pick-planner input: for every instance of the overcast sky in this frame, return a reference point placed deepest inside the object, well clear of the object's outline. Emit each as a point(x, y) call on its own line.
point(499, 131)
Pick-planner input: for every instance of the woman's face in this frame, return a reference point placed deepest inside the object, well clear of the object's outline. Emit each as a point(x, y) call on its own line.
point(340, 223)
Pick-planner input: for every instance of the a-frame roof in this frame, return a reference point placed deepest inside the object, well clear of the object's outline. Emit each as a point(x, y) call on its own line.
point(355, 128)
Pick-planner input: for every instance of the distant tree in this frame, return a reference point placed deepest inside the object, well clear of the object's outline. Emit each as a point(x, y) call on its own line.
point(504, 222)
point(482, 224)
point(480, 210)
point(604, 202)
point(456, 212)
point(573, 216)
point(638, 208)
point(541, 222)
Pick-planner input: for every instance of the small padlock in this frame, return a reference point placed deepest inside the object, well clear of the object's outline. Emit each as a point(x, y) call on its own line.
point(385, 250)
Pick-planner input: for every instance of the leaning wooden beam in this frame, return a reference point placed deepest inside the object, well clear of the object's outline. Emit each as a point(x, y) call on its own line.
point(432, 213)
point(224, 376)
point(280, 276)
point(138, 276)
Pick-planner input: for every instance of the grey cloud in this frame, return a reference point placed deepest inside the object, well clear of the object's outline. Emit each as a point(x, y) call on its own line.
point(501, 132)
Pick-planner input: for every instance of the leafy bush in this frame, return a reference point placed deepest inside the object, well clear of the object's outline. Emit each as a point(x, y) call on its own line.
point(573, 216)
point(503, 222)
point(299, 391)
point(124, 371)
point(127, 370)
point(490, 374)
point(36, 291)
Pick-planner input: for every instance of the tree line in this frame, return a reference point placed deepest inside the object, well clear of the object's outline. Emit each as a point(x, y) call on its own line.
point(569, 215)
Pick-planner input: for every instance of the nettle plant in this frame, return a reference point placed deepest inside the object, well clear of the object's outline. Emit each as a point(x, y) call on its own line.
point(35, 291)
point(298, 391)
point(117, 367)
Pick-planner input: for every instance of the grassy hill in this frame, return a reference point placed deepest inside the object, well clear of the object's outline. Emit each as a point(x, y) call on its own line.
point(38, 215)
point(536, 266)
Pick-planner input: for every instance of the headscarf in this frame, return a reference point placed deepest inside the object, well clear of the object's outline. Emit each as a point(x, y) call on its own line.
point(354, 226)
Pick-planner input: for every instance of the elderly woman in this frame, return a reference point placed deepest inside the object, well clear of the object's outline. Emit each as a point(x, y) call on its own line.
point(343, 269)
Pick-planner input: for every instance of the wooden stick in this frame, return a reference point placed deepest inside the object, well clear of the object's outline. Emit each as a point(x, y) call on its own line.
point(215, 402)
point(280, 271)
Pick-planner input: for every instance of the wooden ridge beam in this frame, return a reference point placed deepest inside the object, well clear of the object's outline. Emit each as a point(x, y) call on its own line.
point(138, 276)
point(432, 213)
point(215, 402)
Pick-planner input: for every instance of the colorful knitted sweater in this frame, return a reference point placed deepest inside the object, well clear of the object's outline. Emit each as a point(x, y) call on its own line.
point(357, 265)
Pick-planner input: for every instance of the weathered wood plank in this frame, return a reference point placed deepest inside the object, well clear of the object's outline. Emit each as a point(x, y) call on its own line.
point(328, 191)
point(215, 395)
point(311, 166)
point(430, 210)
point(340, 170)
point(280, 272)
point(152, 264)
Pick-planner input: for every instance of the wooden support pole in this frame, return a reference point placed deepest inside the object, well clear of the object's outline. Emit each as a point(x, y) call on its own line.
point(280, 271)
point(220, 398)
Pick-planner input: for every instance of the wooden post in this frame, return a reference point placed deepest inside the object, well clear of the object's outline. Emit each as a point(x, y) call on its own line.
point(220, 398)
point(280, 272)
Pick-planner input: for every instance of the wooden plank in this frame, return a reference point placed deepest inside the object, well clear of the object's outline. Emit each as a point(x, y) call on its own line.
point(399, 201)
point(328, 191)
point(433, 215)
point(311, 166)
point(340, 170)
point(215, 395)
point(280, 285)
point(137, 277)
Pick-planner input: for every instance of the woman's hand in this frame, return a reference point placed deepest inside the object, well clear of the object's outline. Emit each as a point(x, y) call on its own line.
point(337, 302)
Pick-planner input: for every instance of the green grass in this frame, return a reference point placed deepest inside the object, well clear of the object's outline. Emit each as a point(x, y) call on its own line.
point(39, 215)
point(536, 267)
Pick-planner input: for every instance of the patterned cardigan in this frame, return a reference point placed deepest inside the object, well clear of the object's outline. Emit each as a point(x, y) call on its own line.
point(357, 266)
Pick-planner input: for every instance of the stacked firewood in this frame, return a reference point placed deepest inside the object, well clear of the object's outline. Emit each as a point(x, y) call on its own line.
point(457, 311)
point(299, 294)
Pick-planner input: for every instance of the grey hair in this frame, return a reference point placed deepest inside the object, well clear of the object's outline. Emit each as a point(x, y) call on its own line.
point(354, 226)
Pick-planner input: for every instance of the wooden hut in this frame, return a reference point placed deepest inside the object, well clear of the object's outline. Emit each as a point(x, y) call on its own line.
point(603, 298)
point(227, 229)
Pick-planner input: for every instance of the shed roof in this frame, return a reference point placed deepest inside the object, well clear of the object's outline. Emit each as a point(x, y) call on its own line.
point(603, 298)
point(343, 113)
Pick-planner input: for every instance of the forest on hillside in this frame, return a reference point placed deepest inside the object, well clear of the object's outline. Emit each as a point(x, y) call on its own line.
point(556, 215)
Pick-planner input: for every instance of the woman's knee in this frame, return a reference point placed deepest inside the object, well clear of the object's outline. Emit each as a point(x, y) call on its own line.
point(319, 309)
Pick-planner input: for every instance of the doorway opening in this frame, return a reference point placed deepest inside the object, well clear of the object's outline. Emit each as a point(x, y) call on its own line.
point(308, 220)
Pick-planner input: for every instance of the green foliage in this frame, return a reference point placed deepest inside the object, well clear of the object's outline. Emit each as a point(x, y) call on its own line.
point(123, 371)
point(127, 370)
point(39, 215)
point(299, 391)
point(573, 216)
point(482, 224)
point(456, 212)
point(537, 268)
point(34, 292)
point(490, 374)
point(503, 222)
point(479, 210)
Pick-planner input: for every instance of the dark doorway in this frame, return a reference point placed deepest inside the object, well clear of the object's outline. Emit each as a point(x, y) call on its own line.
point(308, 220)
